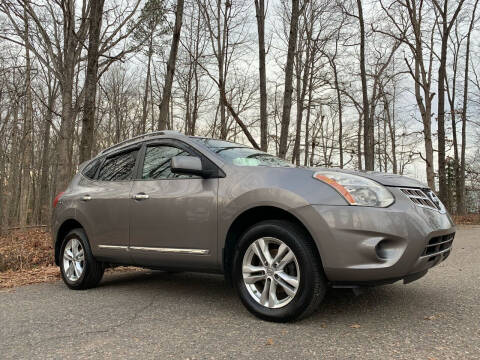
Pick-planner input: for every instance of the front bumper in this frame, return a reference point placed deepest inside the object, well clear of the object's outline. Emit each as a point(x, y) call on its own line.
point(366, 245)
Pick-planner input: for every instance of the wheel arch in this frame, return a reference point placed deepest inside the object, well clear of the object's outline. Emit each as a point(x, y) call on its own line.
point(251, 217)
point(67, 226)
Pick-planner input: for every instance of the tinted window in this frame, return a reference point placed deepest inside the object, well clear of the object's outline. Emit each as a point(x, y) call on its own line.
point(242, 155)
point(118, 167)
point(91, 169)
point(157, 162)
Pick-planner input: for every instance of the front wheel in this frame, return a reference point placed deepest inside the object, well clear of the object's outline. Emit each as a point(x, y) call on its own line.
point(79, 268)
point(277, 272)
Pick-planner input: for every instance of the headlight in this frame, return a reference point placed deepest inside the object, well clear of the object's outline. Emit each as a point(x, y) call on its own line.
point(355, 189)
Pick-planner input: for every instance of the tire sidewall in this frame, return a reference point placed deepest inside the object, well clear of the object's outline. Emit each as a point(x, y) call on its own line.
point(304, 258)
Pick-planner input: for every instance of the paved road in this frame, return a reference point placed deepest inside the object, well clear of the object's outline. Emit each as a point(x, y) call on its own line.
point(196, 316)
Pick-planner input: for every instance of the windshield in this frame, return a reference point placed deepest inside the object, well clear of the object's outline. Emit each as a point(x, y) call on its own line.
point(242, 155)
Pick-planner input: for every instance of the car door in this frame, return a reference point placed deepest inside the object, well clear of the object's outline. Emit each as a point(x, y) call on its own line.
point(104, 204)
point(173, 217)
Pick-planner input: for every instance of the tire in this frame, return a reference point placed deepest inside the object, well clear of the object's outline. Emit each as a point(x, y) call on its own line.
point(305, 271)
point(91, 270)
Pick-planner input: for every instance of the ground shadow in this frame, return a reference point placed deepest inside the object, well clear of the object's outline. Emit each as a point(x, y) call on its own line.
point(338, 304)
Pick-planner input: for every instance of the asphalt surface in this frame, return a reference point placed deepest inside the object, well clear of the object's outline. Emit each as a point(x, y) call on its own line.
point(197, 316)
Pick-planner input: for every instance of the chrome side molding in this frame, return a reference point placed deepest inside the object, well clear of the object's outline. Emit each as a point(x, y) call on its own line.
point(164, 250)
point(117, 247)
point(172, 250)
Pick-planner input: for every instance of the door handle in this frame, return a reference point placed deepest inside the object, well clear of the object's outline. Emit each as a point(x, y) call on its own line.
point(141, 196)
point(87, 198)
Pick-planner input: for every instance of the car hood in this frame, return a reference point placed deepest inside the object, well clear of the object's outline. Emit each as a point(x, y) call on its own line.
point(385, 179)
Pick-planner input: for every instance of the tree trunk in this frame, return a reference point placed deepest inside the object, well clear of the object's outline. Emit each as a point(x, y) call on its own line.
point(298, 90)
point(288, 91)
point(63, 173)
point(368, 125)
point(221, 41)
point(451, 99)
point(442, 175)
point(195, 102)
point(391, 129)
point(172, 58)
point(143, 125)
point(88, 120)
point(359, 142)
point(197, 82)
point(442, 73)
point(340, 113)
point(307, 69)
point(260, 14)
point(14, 171)
point(44, 190)
point(26, 146)
point(424, 104)
point(307, 121)
point(65, 140)
point(461, 191)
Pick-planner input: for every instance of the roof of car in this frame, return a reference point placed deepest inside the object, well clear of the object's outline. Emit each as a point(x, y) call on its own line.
point(139, 138)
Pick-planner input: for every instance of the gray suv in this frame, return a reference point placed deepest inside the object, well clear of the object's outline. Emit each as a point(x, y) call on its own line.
point(281, 234)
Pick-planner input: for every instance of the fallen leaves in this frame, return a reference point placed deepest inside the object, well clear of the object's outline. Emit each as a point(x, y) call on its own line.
point(11, 278)
point(470, 219)
point(26, 249)
point(269, 342)
point(27, 258)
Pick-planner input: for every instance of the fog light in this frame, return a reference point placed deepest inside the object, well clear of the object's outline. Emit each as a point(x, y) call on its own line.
point(387, 249)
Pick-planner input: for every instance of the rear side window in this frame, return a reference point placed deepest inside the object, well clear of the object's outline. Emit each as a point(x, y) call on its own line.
point(118, 167)
point(91, 169)
point(157, 162)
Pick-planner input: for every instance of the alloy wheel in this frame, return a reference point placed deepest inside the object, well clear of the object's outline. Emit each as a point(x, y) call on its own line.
point(270, 272)
point(73, 260)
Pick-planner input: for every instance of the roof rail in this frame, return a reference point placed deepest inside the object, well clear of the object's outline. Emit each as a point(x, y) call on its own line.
point(139, 137)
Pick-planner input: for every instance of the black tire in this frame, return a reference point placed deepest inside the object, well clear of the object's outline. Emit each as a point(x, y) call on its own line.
point(92, 269)
point(312, 285)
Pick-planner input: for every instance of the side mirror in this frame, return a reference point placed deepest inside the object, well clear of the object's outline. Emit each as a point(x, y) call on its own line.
point(187, 165)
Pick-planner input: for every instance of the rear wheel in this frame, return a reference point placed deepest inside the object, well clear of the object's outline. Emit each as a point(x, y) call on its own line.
point(277, 272)
point(79, 268)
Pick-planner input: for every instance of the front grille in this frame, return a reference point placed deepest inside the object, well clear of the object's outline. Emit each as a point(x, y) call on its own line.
point(424, 198)
point(438, 246)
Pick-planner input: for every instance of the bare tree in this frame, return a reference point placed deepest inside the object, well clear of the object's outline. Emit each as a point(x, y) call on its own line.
point(172, 59)
point(445, 25)
point(260, 14)
point(26, 143)
point(288, 91)
point(190, 74)
point(88, 121)
point(461, 208)
point(411, 26)
point(148, 32)
point(368, 125)
point(76, 78)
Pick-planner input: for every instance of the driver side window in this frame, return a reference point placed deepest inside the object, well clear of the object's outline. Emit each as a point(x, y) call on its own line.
point(157, 162)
